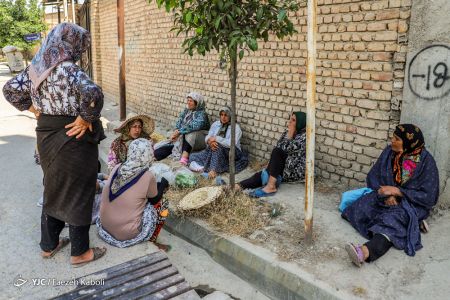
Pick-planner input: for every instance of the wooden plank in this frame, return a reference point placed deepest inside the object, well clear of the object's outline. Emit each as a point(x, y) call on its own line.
point(134, 283)
point(151, 288)
point(191, 295)
point(143, 265)
point(120, 281)
point(172, 291)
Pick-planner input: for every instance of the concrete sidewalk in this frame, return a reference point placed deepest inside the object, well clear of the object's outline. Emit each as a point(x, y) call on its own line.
point(279, 264)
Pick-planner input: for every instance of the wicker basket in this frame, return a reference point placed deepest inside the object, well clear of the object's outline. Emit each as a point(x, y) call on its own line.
point(200, 197)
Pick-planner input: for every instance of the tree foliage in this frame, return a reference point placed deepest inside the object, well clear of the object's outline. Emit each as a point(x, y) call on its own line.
point(229, 25)
point(18, 18)
point(232, 27)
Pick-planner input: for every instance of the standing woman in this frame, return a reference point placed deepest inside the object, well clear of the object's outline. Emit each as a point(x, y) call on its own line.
point(67, 106)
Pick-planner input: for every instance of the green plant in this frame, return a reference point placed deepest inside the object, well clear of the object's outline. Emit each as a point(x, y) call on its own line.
point(232, 28)
point(18, 18)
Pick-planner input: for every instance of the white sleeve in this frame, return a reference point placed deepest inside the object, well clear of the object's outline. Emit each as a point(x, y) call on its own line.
point(226, 141)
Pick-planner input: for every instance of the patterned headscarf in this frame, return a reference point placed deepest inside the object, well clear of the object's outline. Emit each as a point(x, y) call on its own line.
point(189, 116)
point(140, 156)
point(404, 163)
point(65, 42)
point(223, 129)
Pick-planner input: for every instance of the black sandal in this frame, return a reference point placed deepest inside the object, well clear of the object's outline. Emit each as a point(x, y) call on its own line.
point(62, 243)
point(98, 253)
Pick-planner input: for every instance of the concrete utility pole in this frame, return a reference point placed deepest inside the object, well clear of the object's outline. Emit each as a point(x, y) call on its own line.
point(310, 118)
point(121, 44)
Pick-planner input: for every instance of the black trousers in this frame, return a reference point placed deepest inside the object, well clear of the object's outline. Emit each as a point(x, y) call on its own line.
point(378, 246)
point(166, 150)
point(275, 168)
point(51, 229)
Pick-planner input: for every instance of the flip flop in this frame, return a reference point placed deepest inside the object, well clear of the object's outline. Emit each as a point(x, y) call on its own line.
point(424, 227)
point(355, 254)
point(62, 243)
point(98, 252)
point(259, 193)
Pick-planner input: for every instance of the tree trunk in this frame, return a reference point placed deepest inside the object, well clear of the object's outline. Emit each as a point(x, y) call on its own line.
point(233, 78)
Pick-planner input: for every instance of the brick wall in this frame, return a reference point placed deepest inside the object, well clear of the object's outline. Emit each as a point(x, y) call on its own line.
point(361, 59)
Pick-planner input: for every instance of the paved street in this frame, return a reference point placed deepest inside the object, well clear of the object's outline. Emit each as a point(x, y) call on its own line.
point(21, 187)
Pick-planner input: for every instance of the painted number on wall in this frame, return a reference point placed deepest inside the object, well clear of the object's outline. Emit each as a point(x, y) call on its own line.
point(429, 72)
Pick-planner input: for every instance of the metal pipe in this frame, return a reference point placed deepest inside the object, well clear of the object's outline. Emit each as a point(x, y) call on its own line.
point(311, 118)
point(65, 8)
point(74, 20)
point(121, 44)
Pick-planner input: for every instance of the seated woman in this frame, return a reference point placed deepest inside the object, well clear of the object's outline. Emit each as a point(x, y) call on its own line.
point(140, 126)
point(214, 159)
point(287, 161)
point(132, 209)
point(188, 135)
point(405, 184)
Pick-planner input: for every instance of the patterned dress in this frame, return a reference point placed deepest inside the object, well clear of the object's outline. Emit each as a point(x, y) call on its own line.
point(295, 148)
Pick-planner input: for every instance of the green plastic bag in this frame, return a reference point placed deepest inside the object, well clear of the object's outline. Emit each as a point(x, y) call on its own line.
point(184, 180)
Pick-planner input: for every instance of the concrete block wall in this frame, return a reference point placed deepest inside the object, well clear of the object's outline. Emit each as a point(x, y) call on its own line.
point(361, 61)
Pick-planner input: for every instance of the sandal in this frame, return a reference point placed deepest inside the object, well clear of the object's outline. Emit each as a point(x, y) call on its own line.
point(98, 252)
point(259, 193)
point(62, 243)
point(424, 227)
point(355, 253)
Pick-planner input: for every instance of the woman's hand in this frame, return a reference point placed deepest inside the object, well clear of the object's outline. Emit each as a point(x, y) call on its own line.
point(36, 113)
point(175, 135)
point(291, 130)
point(387, 190)
point(391, 201)
point(78, 127)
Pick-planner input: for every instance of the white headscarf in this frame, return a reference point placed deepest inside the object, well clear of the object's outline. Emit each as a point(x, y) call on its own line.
point(139, 158)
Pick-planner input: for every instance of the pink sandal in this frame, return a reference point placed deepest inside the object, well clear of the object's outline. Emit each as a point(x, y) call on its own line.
point(355, 253)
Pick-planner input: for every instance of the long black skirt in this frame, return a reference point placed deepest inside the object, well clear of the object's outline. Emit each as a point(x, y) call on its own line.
point(70, 169)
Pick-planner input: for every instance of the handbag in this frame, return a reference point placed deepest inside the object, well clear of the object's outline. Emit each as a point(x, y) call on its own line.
point(349, 197)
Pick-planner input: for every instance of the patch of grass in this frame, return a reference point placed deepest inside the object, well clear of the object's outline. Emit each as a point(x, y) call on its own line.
point(235, 214)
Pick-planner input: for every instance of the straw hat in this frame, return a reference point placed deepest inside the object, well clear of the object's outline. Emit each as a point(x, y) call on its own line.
point(148, 125)
point(200, 197)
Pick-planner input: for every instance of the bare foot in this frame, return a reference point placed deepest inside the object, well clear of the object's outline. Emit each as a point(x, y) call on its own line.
point(163, 247)
point(46, 254)
point(268, 189)
point(212, 174)
point(85, 257)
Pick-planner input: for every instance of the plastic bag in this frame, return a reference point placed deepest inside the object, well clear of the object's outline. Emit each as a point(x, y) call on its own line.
point(161, 170)
point(185, 178)
point(349, 197)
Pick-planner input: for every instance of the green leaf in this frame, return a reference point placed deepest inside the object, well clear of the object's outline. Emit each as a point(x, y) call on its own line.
point(199, 30)
point(259, 13)
point(241, 54)
point(281, 15)
point(188, 17)
point(217, 22)
point(252, 44)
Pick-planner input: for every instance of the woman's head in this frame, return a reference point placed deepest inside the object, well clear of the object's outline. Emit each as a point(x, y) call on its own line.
point(407, 138)
point(225, 115)
point(195, 101)
point(297, 119)
point(135, 128)
point(140, 153)
point(65, 42)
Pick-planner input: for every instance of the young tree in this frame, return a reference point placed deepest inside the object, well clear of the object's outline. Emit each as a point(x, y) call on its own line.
point(18, 18)
point(232, 28)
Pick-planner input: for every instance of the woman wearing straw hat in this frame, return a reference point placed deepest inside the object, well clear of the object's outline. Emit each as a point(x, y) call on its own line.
point(189, 134)
point(132, 209)
point(140, 126)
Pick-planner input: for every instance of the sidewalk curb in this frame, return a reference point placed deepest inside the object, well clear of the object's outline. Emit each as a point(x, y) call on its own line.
point(253, 264)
